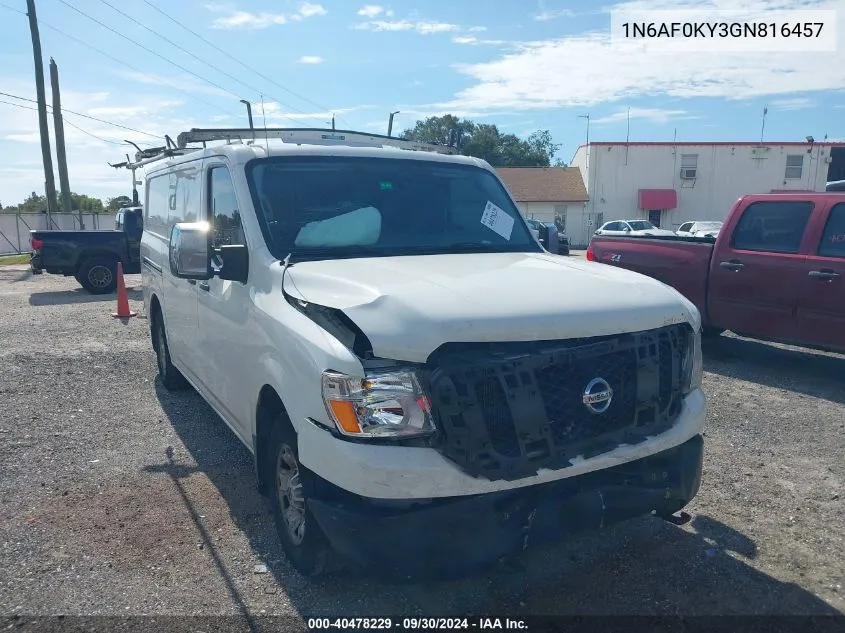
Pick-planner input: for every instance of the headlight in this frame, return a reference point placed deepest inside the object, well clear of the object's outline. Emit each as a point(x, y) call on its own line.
point(390, 404)
point(693, 363)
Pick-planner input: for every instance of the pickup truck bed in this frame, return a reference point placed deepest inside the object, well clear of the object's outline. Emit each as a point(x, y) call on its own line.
point(775, 272)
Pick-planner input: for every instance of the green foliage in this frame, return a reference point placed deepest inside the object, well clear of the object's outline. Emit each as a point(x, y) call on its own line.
point(114, 204)
point(35, 203)
point(485, 141)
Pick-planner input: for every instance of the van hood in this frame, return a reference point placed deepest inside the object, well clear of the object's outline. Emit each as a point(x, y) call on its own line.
point(410, 306)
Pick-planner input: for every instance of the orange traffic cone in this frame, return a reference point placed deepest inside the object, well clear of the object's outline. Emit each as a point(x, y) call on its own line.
point(123, 310)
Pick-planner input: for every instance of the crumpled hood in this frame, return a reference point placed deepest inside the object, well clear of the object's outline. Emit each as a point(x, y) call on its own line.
point(409, 306)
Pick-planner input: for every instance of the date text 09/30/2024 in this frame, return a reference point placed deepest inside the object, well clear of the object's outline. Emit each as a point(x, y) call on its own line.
point(416, 624)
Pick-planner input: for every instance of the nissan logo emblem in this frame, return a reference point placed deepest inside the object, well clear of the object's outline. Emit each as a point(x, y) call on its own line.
point(597, 395)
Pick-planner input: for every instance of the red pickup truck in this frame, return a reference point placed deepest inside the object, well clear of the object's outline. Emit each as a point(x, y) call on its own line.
point(775, 272)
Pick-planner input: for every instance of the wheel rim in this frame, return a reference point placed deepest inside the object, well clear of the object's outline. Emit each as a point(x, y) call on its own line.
point(289, 492)
point(100, 276)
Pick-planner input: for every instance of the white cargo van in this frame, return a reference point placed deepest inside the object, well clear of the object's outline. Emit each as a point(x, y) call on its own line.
point(422, 386)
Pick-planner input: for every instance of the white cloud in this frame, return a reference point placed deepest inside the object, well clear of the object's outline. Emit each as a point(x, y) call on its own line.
point(796, 103)
point(374, 10)
point(308, 10)
point(421, 27)
point(545, 16)
point(471, 39)
point(583, 70)
point(655, 115)
point(311, 59)
point(477, 29)
point(238, 19)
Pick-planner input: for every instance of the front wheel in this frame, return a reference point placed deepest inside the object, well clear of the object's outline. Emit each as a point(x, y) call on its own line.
point(303, 541)
point(170, 377)
point(98, 275)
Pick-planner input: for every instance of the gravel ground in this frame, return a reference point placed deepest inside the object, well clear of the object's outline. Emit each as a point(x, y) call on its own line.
point(118, 498)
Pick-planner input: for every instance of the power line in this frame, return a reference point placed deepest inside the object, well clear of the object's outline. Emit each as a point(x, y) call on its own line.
point(85, 116)
point(151, 51)
point(122, 63)
point(129, 66)
point(233, 58)
point(6, 6)
point(201, 60)
point(70, 123)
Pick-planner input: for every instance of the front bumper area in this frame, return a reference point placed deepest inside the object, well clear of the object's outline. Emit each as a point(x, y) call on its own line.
point(449, 536)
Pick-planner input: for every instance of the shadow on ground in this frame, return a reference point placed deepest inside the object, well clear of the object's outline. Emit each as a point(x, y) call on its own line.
point(645, 566)
point(794, 369)
point(77, 295)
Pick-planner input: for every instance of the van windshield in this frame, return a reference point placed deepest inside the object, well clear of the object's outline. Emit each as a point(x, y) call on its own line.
point(318, 207)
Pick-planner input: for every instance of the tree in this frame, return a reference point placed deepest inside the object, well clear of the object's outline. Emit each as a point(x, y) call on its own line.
point(36, 203)
point(484, 140)
point(114, 204)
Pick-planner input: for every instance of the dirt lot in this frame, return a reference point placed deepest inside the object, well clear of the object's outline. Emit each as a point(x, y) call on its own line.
point(119, 498)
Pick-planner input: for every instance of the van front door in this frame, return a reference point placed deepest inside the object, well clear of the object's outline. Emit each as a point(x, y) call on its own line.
point(223, 310)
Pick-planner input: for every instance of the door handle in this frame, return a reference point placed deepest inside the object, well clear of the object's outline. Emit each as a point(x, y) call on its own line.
point(205, 286)
point(193, 282)
point(734, 266)
point(823, 275)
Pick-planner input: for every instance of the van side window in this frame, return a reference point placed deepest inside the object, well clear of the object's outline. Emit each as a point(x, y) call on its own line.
point(773, 227)
point(156, 210)
point(184, 204)
point(833, 239)
point(223, 213)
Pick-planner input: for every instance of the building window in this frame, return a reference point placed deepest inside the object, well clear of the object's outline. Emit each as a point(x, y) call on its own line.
point(689, 166)
point(794, 166)
point(560, 217)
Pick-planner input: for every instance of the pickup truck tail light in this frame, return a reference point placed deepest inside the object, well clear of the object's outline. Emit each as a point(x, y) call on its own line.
point(36, 244)
point(591, 255)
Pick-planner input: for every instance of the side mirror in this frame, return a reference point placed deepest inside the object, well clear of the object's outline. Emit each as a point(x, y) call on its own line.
point(235, 260)
point(190, 251)
point(627, 229)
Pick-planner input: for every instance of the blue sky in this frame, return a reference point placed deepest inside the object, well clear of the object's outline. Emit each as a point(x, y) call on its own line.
point(522, 64)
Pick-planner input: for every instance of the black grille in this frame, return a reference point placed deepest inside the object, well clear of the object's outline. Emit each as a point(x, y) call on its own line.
point(506, 410)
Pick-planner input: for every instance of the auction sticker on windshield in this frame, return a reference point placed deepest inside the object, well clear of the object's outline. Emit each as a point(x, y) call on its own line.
point(498, 220)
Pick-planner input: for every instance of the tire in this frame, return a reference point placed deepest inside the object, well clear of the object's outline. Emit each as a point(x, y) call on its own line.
point(98, 275)
point(303, 542)
point(169, 376)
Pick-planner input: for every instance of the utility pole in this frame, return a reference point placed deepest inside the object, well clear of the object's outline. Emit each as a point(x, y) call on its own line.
point(763, 127)
point(332, 121)
point(49, 182)
point(390, 123)
point(61, 155)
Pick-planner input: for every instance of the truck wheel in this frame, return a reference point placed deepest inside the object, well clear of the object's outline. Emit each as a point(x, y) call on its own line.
point(304, 543)
point(98, 275)
point(170, 377)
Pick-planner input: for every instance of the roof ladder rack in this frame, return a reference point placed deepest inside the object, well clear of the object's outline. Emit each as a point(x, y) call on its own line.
point(307, 136)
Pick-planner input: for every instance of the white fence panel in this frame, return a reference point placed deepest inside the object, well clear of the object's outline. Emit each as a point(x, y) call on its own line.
point(15, 227)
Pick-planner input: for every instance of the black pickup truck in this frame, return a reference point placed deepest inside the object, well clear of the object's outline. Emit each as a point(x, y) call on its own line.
point(91, 256)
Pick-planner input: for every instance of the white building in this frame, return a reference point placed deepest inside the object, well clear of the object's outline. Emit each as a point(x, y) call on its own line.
point(673, 183)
